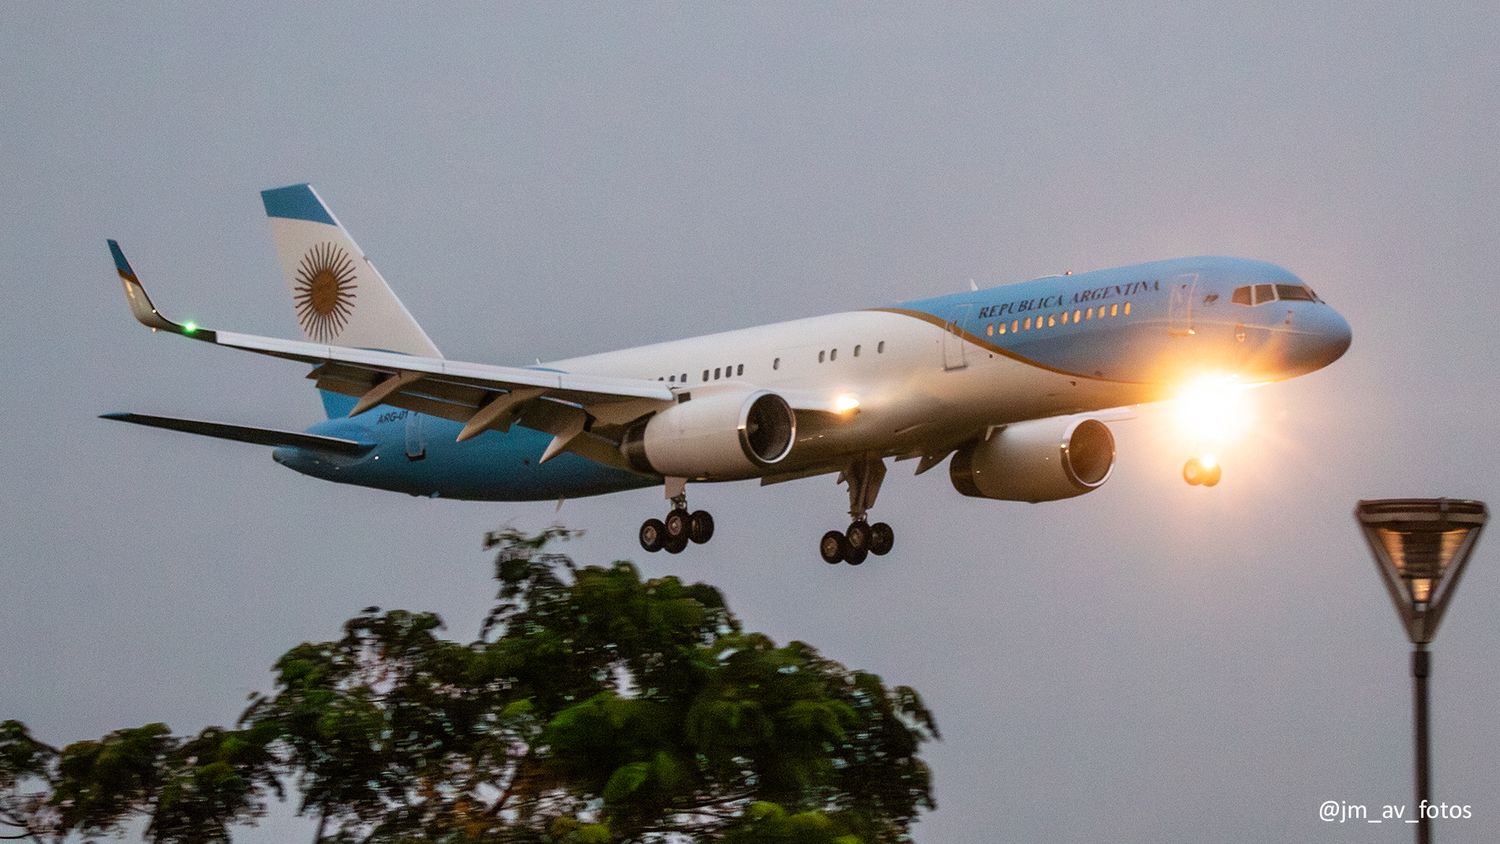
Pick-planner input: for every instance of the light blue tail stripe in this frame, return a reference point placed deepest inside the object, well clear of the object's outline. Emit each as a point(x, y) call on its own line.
point(295, 202)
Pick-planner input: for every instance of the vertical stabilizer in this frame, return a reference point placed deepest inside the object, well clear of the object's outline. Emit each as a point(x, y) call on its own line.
point(339, 296)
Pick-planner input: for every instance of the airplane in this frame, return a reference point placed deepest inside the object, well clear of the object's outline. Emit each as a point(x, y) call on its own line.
point(1014, 382)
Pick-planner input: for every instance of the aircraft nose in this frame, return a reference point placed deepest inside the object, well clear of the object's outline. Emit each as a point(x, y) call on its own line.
point(1337, 335)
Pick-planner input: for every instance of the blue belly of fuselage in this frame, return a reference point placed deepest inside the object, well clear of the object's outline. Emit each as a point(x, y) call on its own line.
point(419, 454)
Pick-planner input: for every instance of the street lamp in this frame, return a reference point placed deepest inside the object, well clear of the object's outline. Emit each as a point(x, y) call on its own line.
point(1420, 547)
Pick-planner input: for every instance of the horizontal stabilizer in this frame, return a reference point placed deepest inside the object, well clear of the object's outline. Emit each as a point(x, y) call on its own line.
point(245, 434)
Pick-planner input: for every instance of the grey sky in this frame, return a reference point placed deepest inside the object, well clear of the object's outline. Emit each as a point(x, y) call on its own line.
point(1149, 662)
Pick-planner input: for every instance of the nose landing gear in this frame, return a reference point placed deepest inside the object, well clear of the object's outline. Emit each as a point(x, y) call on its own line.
point(1202, 472)
point(862, 539)
point(680, 527)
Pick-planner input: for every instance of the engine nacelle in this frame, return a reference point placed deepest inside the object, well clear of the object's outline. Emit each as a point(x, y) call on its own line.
point(1042, 460)
point(719, 435)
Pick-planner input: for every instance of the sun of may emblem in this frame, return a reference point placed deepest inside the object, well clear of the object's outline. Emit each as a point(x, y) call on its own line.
point(325, 291)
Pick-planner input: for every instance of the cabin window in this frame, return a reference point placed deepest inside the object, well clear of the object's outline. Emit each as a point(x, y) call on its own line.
point(856, 351)
point(705, 375)
point(1114, 310)
point(989, 330)
point(880, 348)
point(1002, 328)
point(1015, 325)
point(1065, 318)
point(1077, 314)
point(1051, 320)
point(1127, 309)
point(716, 373)
point(833, 355)
point(822, 356)
point(1089, 314)
point(683, 379)
point(776, 364)
point(739, 369)
point(1027, 324)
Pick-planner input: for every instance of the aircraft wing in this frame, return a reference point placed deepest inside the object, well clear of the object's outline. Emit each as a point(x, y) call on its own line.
point(245, 433)
point(482, 396)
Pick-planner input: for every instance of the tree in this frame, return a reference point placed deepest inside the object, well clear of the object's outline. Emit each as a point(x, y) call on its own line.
point(594, 707)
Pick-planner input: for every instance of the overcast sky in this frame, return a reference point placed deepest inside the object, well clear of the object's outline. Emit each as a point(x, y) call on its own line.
point(1150, 662)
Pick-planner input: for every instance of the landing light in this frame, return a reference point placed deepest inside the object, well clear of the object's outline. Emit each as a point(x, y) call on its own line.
point(846, 404)
point(1214, 409)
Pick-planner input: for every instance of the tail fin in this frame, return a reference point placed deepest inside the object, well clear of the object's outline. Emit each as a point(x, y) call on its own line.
point(339, 296)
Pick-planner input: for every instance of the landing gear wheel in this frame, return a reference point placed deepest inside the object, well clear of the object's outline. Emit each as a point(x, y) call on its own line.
point(882, 539)
point(833, 547)
point(859, 537)
point(1213, 476)
point(1193, 472)
point(700, 527)
point(857, 555)
point(675, 545)
point(677, 525)
point(653, 534)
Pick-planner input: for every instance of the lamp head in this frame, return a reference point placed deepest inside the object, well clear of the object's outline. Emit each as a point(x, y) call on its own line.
point(1420, 547)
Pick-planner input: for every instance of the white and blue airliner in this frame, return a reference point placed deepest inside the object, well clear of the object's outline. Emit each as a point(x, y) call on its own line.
point(1014, 383)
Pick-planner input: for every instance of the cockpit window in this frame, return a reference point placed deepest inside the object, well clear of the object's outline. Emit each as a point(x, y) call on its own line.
point(1260, 294)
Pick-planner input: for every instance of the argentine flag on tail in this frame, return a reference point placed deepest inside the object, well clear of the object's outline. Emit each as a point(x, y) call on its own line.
point(339, 296)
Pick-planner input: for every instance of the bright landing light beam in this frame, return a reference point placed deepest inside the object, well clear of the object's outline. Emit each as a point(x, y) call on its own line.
point(1212, 413)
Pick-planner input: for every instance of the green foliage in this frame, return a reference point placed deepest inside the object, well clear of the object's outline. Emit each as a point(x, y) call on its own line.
point(595, 707)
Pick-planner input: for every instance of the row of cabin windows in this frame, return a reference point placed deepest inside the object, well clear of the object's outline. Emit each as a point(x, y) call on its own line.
point(1259, 294)
point(732, 371)
point(831, 355)
point(738, 369)
point(1076, 315)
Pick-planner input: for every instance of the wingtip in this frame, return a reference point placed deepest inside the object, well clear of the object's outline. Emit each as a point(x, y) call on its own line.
point(122, 266)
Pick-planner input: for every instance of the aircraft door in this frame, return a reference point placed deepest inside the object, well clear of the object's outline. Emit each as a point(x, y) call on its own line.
point(416, 446)
point(1183, 290)
point(954, 353)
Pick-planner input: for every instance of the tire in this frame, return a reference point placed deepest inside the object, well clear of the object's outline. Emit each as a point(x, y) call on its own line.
point(882, 539)
point(856, 556)
point(1193, 472)
point(653, 535)
point(859, 536)
point(677, 524)
point(676, 545)
point(833, 547)
point(701, 527)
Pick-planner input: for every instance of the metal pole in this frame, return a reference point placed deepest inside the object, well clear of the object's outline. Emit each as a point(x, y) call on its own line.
point(1421, 667)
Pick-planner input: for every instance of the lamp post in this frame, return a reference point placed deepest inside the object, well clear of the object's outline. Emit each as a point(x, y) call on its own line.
point(1420, 547)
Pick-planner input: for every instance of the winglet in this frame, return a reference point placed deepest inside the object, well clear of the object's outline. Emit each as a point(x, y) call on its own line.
point(141, 306)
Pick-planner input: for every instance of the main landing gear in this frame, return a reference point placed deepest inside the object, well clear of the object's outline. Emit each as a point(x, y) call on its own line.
point(862, 539)
point(680, 527)
point(1202, 472)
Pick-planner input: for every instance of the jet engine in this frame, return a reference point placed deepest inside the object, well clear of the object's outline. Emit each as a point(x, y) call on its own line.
point(1040, 460)
point(720, 435)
